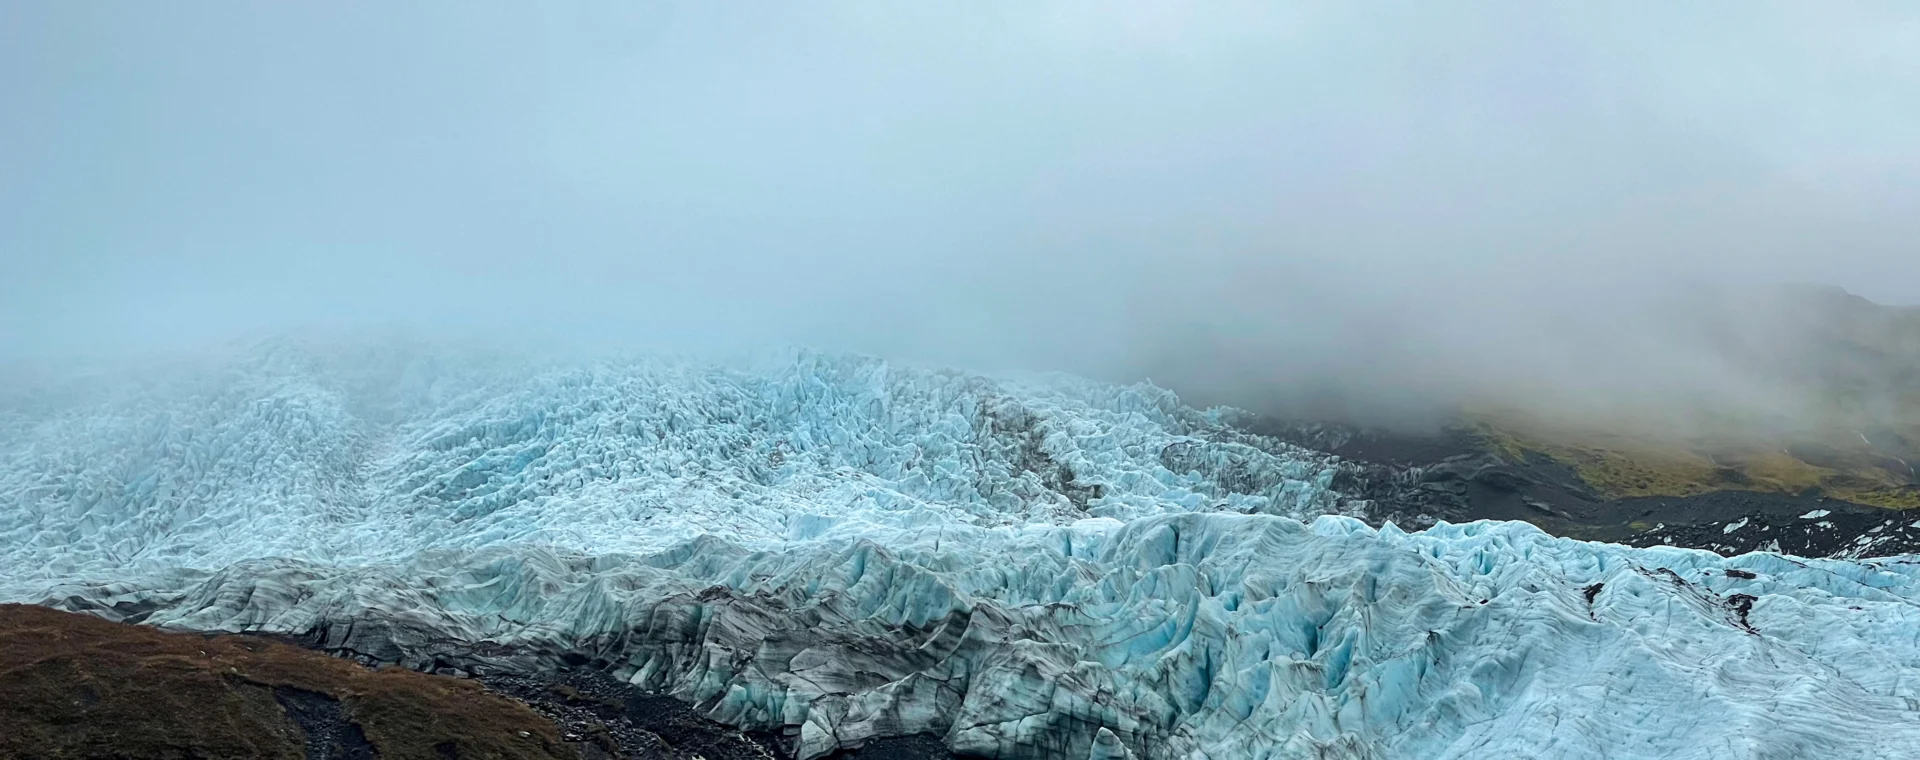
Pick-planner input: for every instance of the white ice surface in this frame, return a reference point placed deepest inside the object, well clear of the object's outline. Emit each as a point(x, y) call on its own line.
point(1035, 567)
point(337, 456)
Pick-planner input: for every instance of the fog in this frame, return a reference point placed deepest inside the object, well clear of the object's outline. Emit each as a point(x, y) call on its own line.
point(1394, 206)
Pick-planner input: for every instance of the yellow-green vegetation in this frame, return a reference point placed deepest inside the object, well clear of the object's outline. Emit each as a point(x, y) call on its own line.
point(1632, 465)
point(1798, 390)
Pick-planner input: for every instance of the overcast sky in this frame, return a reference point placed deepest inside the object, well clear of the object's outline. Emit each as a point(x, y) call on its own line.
point(1073, 183)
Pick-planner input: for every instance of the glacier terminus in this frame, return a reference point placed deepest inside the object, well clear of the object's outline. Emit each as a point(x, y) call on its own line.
point(844, 549)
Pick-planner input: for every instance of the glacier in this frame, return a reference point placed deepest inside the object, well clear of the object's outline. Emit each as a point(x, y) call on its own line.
point(842, 548)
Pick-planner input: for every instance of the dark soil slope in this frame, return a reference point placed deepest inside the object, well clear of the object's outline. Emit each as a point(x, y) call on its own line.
point(75, 686)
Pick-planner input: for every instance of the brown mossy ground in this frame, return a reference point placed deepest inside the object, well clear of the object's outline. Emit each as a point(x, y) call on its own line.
point(1834, 464)
point(76, 686)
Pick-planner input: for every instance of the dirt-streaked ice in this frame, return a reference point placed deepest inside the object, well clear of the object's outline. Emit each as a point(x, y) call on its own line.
point(1039, 567)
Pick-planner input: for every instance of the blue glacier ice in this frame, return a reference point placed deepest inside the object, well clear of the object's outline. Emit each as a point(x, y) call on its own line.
point(843, 548)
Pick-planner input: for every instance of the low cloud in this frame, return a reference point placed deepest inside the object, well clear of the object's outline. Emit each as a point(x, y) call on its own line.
point(1380, 212)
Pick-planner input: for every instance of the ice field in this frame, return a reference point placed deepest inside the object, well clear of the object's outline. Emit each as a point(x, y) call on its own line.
point(1037, 566)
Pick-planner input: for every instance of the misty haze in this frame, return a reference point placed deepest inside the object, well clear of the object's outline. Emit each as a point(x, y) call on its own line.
point(588, 345)
point(1244, 198)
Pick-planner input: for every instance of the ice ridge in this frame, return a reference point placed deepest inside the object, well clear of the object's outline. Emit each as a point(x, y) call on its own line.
point(340, 456)
point(841, 549)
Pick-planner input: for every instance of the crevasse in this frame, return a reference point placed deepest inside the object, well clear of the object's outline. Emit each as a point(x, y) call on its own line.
point(845, 548)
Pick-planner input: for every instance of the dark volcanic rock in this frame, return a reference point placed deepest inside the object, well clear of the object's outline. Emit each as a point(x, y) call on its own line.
point(1414, 480)
point(916, 747)
point(330, 735)
point(1825, 529)
point(609, 718)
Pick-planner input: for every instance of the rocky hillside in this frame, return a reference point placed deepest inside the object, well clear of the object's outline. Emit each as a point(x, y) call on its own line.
point(79, 686)
point(76, 686)
point(1798, 430)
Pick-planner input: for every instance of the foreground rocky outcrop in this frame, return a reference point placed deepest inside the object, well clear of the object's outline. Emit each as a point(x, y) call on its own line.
point(76, 686)
point(79, 686)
